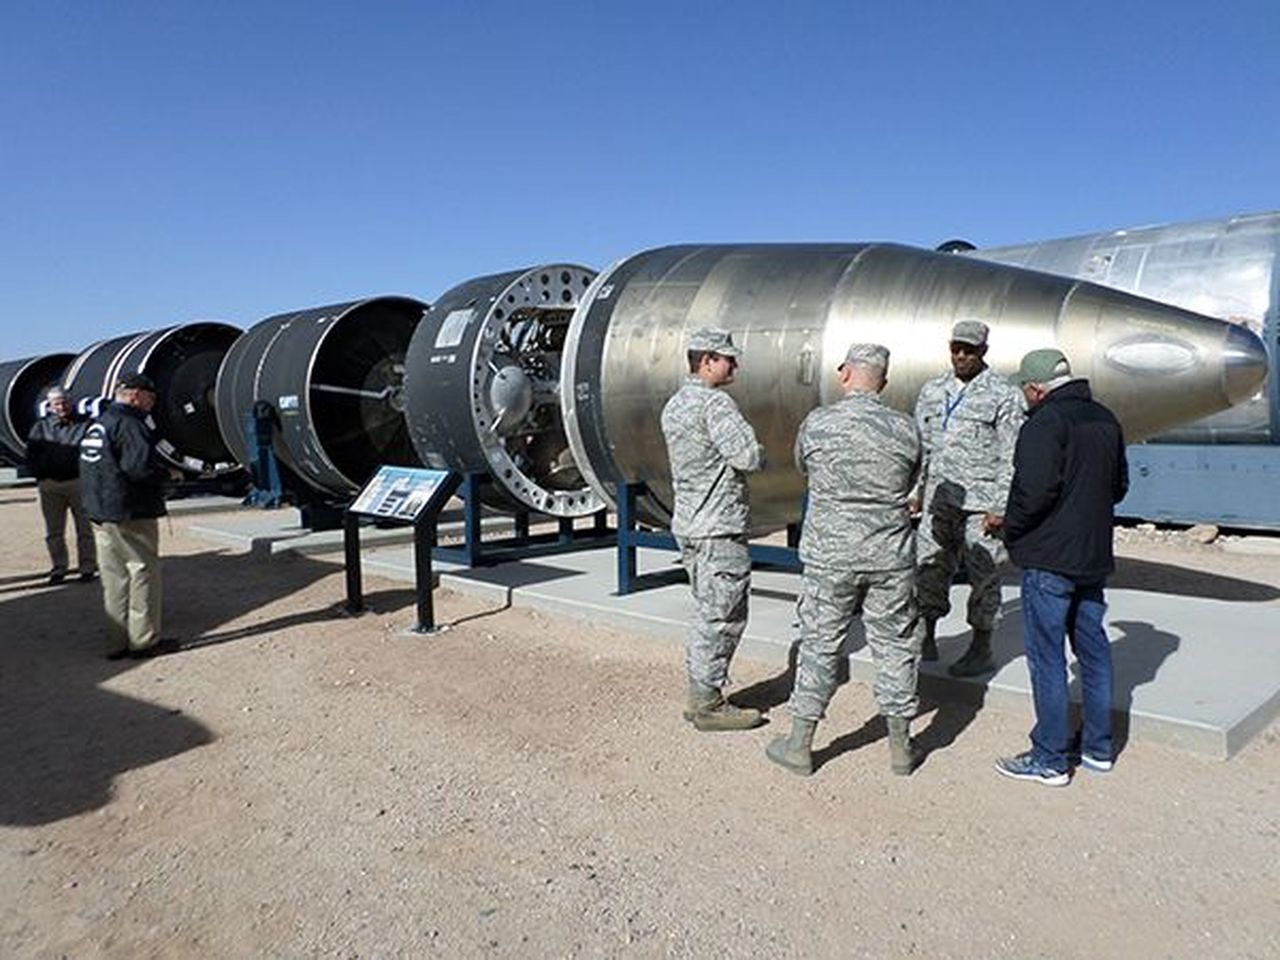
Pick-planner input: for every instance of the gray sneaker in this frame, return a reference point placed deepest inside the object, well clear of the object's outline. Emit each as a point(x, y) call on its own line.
point(1026, 767)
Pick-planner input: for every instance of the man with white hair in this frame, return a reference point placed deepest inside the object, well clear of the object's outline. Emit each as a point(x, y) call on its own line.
point(861, 458)
point(53, 458)
point(1069, 471)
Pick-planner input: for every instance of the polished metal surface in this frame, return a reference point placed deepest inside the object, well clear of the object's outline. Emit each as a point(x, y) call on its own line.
point(794, 309)
point(1224, 268)
point(482, 386)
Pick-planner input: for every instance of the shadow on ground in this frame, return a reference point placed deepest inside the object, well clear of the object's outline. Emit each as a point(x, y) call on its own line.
point(65, 737)
point(1153, 577)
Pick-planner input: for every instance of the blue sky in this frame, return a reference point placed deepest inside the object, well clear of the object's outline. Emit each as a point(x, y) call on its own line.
point(169, 161)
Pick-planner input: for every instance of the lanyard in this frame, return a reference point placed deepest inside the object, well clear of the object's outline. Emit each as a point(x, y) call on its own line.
point(950, 405)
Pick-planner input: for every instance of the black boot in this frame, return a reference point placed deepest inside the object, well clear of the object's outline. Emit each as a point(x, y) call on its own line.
point(977, 660)
point(929, 645)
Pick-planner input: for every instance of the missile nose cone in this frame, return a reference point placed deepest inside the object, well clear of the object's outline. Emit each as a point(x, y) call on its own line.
point(1244, 364)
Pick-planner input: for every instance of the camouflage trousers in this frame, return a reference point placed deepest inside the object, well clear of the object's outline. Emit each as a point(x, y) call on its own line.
point(719, 571)
point(829, 600)
point(947, 535)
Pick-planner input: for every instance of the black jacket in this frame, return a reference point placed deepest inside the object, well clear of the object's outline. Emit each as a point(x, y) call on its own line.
point(1069, 471)
point(121, 478)
point(53, 447)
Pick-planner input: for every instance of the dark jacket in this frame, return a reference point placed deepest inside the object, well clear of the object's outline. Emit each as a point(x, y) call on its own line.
point(121, 477)
point(53, 447)
point(1069, 471)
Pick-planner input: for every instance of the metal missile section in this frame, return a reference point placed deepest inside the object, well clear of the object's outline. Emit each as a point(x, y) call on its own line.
point(794, 309)
point(332, 378)
point(183, 362)
point(22, 387)
point(482, 387)
point(1224, 268)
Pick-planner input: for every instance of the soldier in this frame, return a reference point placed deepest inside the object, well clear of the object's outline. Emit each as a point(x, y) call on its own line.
point(969, 422)
point(862, 460)
point(712, 448)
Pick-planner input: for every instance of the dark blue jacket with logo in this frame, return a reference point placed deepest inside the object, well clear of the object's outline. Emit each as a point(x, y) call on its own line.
point(121, 477)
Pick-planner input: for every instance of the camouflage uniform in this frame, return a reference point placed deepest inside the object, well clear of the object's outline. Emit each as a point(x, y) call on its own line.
point(969, 432)
point(862, 459)
point(711, 448)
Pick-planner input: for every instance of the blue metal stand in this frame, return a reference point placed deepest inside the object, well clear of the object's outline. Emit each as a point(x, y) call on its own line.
point(475, 551)
point(631, 537)
point(259, 429)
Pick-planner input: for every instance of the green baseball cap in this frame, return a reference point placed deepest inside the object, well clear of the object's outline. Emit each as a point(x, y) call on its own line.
point(1042, 366)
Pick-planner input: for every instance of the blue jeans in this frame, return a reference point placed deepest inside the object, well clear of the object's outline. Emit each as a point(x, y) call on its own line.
point(1054, 607)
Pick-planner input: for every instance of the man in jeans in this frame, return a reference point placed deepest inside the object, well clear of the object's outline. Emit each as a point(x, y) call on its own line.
point(1069, 471)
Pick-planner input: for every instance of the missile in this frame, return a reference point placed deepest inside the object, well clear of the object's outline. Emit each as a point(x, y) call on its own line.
point(793, 309)
point(1224, 267)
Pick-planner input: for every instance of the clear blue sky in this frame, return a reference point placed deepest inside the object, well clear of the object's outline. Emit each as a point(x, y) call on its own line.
point(169, 161)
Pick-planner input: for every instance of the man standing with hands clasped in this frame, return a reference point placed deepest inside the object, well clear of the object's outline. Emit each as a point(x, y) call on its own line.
point(861, 458)
point(1069, 472)
point(968, 420)
point(53, 457)
point(712, 448)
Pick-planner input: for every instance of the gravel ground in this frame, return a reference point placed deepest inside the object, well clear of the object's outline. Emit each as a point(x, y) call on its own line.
point(300, 784)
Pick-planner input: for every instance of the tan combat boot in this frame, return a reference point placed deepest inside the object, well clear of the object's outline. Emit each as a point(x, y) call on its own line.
point(795, 751)
point(709, 712)
point(903, 753)
point(977, 660)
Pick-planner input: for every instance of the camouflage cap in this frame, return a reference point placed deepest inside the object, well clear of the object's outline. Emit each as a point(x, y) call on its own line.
point(713, 340)
point(970, 331)
point(1043, 366)
point(871, 354)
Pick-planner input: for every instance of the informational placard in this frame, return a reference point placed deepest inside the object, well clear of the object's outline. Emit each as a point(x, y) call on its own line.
point(399, 493)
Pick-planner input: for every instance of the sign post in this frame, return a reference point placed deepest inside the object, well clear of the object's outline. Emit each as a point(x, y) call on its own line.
point(400, 495)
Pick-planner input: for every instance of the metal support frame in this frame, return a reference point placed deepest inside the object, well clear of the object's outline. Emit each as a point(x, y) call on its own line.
point(474, 551)
point(631, 537)
point(259, 430)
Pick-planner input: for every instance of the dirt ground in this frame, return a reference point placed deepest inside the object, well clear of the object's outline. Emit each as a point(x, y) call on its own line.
point(302, 784)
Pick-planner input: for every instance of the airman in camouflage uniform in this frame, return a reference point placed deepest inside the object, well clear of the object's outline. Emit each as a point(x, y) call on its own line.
point(712, 448)
point(969, 421)
point(862, 459)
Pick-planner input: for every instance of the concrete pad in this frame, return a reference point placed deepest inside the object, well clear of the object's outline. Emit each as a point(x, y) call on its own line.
point(9, 478)
point(186, 506)
point(1199, 674)
point(270, 532)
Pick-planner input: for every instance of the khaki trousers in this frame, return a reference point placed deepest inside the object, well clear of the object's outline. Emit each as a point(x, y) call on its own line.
point(129, 562)
point(57, 497)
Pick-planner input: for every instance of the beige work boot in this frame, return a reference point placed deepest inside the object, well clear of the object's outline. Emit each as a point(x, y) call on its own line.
point(794, 752)
point(929, 645)
point(709, 711)
point(977, 659)
point(903, 753)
